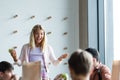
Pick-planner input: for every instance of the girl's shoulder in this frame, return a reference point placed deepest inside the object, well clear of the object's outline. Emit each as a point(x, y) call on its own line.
point(48, 46)
point(26, 45)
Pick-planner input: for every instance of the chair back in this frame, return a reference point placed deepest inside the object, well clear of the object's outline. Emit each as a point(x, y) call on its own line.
point(31, 71)
point(116, 70)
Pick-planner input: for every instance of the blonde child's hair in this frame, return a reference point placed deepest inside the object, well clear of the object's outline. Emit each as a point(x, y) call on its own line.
point(32, 39)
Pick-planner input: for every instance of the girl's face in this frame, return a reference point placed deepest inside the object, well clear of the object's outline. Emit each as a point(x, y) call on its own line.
point(38, 35)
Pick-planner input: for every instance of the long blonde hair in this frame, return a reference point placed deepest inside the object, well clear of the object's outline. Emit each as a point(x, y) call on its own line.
point(32, 39)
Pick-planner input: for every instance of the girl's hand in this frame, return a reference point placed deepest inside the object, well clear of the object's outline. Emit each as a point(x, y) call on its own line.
point(62, 57)
point(13, 54)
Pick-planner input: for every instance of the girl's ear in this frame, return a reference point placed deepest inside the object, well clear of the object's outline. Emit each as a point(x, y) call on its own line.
point(71, 70)
point(94, 60)
point(1, 75)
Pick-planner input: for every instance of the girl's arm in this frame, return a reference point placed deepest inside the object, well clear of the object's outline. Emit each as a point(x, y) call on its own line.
point(52, 57)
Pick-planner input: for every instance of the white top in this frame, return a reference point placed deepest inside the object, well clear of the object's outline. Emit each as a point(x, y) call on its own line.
point(48, 55)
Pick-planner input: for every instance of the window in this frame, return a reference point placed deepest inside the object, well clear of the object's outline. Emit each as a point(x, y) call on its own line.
point(116, 27)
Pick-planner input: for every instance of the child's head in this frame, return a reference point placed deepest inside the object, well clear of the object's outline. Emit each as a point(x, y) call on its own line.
point(94, 52)
point(80, 64)
point(37, 37)
point(6, 70)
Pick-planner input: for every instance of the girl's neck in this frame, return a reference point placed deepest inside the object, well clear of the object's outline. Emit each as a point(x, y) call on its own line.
point(37, 45)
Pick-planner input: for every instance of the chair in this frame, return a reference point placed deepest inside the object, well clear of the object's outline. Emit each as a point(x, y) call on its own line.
point(116, 70)
point(31, 71)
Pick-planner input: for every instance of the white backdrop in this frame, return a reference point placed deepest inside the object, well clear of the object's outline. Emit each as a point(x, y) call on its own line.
point(41, 9)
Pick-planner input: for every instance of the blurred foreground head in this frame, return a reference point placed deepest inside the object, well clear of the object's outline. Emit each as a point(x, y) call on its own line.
point(80, 64)
point(6, 70)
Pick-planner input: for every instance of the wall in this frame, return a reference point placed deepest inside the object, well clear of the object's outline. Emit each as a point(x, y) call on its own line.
point(83, 30)
point(15, 31)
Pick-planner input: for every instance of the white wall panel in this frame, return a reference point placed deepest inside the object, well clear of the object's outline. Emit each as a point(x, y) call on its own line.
point(41, 9)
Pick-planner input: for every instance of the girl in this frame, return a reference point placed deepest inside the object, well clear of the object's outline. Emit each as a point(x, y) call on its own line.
point(38, 50)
